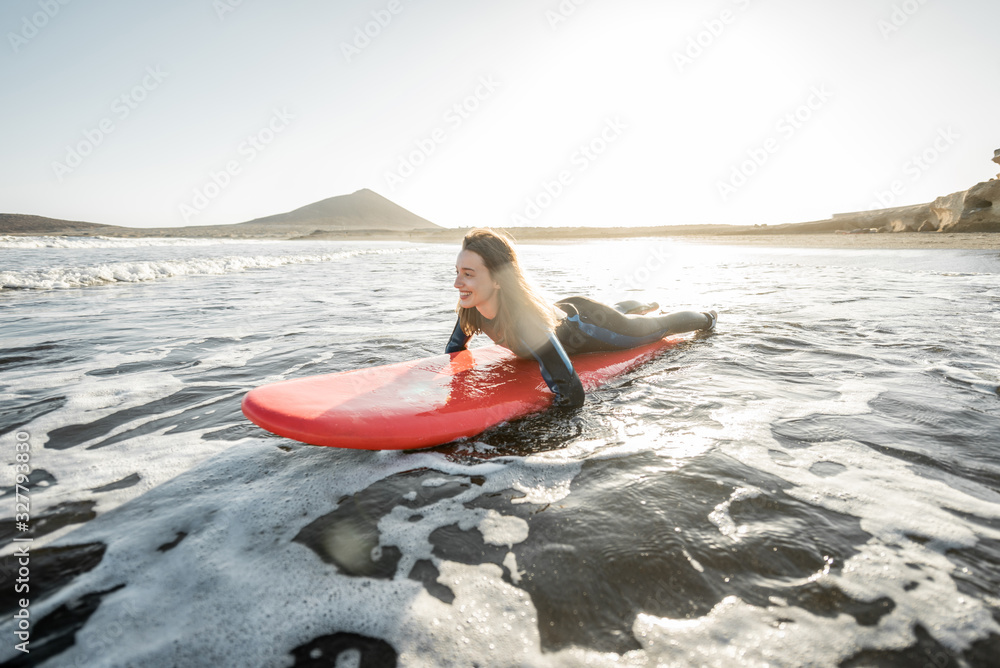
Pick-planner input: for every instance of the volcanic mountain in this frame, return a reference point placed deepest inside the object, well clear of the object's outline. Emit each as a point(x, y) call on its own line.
point(363, 209)
point(363, 212)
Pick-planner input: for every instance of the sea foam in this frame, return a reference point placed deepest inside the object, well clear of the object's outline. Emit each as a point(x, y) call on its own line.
point(152, 270)
point(18, 242)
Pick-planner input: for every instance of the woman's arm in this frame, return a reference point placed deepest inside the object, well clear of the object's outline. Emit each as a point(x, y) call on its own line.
point(559, 374)
point(557, 370)
point(458, 339)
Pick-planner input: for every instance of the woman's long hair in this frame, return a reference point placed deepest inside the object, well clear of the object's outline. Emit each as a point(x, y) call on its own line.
point(521, 312)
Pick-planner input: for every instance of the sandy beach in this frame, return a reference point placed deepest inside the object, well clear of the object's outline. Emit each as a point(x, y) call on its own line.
point(897, 240)
point(966, 241)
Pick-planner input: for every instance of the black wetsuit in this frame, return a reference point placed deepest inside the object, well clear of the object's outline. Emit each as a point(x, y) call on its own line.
point(589, 326)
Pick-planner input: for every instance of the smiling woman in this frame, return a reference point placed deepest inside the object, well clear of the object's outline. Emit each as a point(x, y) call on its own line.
point(496, 298)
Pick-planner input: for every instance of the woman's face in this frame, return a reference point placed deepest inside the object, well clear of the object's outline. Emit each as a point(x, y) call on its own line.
point(476, 288)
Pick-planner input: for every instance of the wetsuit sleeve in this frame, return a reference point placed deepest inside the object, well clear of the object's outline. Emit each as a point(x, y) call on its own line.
point(458, 339)
point(559, 374)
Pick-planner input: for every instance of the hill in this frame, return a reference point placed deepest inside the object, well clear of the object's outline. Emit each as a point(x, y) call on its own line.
point(363, 213)
point(363, 209)
point(367, 215)
point(20, 223)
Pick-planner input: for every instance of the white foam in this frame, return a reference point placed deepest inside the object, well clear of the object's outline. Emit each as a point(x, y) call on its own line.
point(225, 528)
point(892, 503)
point(985, 381)
point(736, 633)
point(488, 617)
point(721, 518)
point(695, 564)
point(500, 529)
point(236, 356)
point(155, 456)
point(242, 507)
point(410, 529)
point(17, 242)
point(152, 270)
point(510, 563)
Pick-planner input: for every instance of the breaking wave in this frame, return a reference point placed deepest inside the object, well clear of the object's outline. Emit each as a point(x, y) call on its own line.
point(16, 242)
point(152, 270)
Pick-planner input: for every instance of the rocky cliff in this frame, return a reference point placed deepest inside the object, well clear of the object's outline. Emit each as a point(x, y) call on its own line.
point(974, 210)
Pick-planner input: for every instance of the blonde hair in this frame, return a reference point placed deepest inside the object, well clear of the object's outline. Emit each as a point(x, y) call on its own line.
point(521, 311)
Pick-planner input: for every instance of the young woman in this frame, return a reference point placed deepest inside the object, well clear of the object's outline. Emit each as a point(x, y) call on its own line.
point(494, 297)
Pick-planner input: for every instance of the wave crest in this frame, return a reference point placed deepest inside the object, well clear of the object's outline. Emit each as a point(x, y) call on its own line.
point(26, 243)
point(151, 270)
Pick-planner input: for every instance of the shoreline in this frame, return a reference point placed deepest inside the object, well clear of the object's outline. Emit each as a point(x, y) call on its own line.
point(830, 240)
point(889, 241)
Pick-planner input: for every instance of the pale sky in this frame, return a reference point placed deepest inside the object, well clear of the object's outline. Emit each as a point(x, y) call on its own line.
point(579, 112)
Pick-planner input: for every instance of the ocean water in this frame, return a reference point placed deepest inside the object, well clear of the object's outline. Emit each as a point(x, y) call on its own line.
point(817, 482)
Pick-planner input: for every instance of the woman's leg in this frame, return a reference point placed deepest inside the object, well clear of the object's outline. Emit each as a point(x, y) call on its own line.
point(632, 307)
point(606, 328)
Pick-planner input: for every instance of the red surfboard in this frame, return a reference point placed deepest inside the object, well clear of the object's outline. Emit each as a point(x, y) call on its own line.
point(425, 402)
